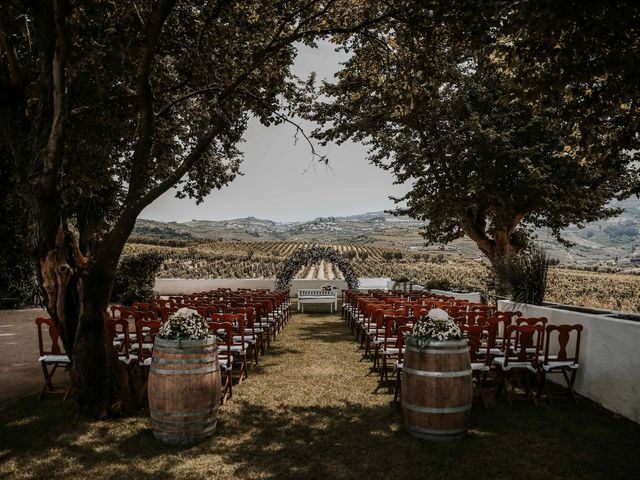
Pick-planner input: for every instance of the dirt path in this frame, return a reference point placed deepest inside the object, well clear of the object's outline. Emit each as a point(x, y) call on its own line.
point(20, 372)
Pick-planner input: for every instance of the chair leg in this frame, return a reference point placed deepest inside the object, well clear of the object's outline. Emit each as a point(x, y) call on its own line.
point(396, 393)
point(570, 381)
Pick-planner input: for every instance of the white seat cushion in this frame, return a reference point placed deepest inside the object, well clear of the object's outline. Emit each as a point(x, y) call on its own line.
point(479, 367)
point(54, 358)
point(556, 364)
point(513, 364)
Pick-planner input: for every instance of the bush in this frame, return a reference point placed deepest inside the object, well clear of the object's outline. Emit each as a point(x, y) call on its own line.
point(524, 276)
point(440, 284)
point(135, 278)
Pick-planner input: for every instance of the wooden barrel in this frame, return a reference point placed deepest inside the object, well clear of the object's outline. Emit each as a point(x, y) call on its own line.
point(437, 389)
point(184, 389)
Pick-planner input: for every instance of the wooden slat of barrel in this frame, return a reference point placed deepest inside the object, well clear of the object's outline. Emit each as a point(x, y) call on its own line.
point(437, 389)
point(184, 390)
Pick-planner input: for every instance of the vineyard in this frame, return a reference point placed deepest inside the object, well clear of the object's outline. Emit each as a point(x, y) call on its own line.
point(193, 259)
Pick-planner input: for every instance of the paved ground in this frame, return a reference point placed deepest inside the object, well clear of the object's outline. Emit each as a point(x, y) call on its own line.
point(20, 372)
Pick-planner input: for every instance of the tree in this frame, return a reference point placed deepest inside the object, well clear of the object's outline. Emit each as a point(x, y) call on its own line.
point(106, 105)
point(444, 116)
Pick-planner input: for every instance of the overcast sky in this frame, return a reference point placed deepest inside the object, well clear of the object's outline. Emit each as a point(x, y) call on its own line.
point(279, 185)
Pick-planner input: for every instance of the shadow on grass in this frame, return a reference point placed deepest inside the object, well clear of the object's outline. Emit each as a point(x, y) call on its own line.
point(326, 330)
point(47, 440)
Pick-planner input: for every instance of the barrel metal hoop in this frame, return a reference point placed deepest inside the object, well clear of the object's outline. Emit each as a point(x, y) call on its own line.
point(195, 371)
point(419, 409)
point(182, 361)
point(428, 373)
point(187, 350)
point(436, 352)
point(439, 433)
point(160, 413)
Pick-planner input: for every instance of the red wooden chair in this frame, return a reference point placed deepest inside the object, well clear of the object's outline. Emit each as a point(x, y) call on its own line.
point(389, 347)
point(480, 357)
point(521, 357)
point(239, 345)
point(146, 330)
point(224, 333)
point(118, 329)
point(402, 331)
point(51, 358)
point(562, 362)
point(252, 334)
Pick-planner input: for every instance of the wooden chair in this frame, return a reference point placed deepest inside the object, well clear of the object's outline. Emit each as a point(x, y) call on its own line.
point(146, 330)
point(480, 357)
point(390, 348)
point(561, 362)
point(239, 345)
point(224, 332)
point(402, 331)
point(118, 329)
point(521, 357)
point(51, 358)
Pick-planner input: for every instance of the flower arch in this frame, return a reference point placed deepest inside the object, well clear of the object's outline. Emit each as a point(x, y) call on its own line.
point(309, 256)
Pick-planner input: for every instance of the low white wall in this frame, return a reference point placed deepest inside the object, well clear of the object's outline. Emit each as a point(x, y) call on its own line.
point(182, 286)
point(473, 297)
point(609, 372)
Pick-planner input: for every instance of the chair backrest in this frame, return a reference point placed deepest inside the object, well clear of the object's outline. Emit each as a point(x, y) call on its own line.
point(146, 315)
point(120, 311)
point(145, 330)
point(477, 352)
point(392, 325)
point(512, 315)
point(496, 327)
point(165, 312)
point(223, 331)
point(120, 326)
point(54, 349)
point(523, 343)
point(249, 314)
point(564, 334)
point(235, 319)
point(402, 331)
point(531, 321)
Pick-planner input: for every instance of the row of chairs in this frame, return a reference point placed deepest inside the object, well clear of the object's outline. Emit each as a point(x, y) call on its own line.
point(503, 346)
point(245, 322)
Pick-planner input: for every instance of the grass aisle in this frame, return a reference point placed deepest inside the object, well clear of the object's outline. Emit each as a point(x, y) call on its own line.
point(308, 412)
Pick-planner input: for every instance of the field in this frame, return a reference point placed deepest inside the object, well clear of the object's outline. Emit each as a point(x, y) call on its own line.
point(208, 259)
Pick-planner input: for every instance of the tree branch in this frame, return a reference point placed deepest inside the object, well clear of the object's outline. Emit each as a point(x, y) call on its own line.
point(144, 97)
point(53, 152)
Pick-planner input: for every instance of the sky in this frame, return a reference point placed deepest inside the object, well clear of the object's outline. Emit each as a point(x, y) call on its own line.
point(280, 183)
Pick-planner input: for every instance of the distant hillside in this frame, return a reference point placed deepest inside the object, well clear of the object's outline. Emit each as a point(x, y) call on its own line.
point(612, 241)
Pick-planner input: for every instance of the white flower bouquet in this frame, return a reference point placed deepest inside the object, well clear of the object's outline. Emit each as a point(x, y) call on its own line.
point(436, 326)
point(185, 323)
point(327, 287)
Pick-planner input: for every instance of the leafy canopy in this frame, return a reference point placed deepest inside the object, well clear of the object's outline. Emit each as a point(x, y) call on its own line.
point(440, 112)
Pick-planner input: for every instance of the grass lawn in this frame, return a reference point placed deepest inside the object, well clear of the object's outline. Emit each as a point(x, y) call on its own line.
point(308, 411)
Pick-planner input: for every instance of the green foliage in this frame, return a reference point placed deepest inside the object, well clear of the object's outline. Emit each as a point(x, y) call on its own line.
point(438, 284)
point(135, 278)
point(428, 93)
point(525, 275)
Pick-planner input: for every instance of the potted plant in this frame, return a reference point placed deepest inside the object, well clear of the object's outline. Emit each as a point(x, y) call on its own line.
point(184, 379)
point(437, 384)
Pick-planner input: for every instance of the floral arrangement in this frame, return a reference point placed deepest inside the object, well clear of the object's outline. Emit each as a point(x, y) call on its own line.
point(185, 323)
point(436, 325)
point(310, 256)
point(327, 287)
